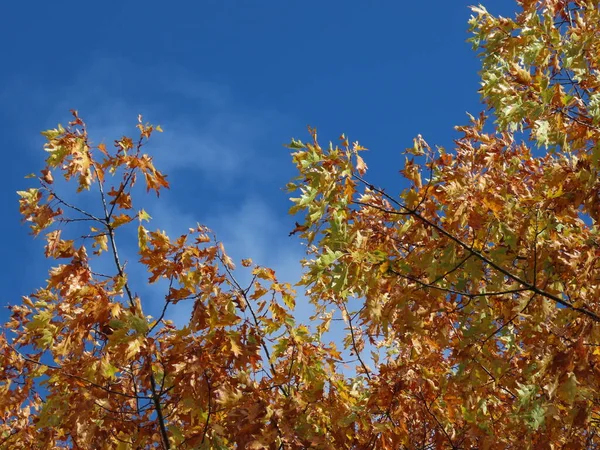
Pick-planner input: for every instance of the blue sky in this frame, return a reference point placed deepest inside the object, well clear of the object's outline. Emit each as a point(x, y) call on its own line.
point(229, 82)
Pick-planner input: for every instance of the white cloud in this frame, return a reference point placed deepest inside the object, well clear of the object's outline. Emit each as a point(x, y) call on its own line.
point(206, 129)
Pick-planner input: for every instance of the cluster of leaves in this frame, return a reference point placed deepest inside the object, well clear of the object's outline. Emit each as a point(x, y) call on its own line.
point(481, 286)
point(475, 291)
point(85, 367)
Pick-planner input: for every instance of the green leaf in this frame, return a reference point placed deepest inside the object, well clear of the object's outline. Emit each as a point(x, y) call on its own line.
point(40, 320)
point(108, 370)
point(46, 340)
point(116, 324)
point(537, 416)
point(289, 301)
point(296, 144)
point(542, 128)
point(328, 258)
point(139, 324)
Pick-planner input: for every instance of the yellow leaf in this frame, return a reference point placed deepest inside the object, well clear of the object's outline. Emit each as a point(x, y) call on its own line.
point(133, 347)
point(142, 238)
point(361, 167)
point(100, 243)
point(143, 215)
point(411, 198)
point(383, 268)
point(234, 345)
point(227, 261)
point(120, 281)
point(494, 205)
point(121, 219)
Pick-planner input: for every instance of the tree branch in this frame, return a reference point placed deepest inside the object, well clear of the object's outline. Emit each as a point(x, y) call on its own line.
point(529, 286)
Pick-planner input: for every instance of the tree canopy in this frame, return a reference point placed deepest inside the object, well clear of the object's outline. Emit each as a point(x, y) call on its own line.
point(470, 299)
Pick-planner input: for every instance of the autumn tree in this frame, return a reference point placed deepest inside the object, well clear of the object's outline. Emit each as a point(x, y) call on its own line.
point(470, 299)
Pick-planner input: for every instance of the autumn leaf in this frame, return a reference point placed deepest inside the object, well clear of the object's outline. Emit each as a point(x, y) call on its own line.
point(298, 229)
point(226, 259)
point(47, 176)
point(121, 219)
point(143, 215)
point(361, 167)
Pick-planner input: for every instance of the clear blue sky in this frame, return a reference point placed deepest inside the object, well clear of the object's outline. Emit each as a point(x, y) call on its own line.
point(230, 82)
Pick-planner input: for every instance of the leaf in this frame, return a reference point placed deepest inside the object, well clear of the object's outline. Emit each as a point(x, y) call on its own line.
point(298, 229)
point(542, 128)
point(139, 324)
point(227, 261)
point(143, 215)
point(246, 262)
point(417, 148)
point(295, 145)
point(537, 417)
point(142, 238)
point(100, 243)
point(133, 348)
point(108, 370)
point(384, 267)
point(568, 389)
point(120, 282)
point(411, 198)
point(121, 219)
point(234, 346)
point(47, 176)
point(361, 167)
point(289, 301)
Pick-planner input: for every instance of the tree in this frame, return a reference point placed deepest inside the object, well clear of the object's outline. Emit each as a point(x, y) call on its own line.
point(475, 290)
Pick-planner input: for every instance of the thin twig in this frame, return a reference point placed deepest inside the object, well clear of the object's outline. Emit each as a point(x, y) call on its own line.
point(209, 413)
point(354, 345)
point(111, 234)
point(453, 291)
point(158, 409)
point(440, 426)
point(70, 375)
point(75, 208)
